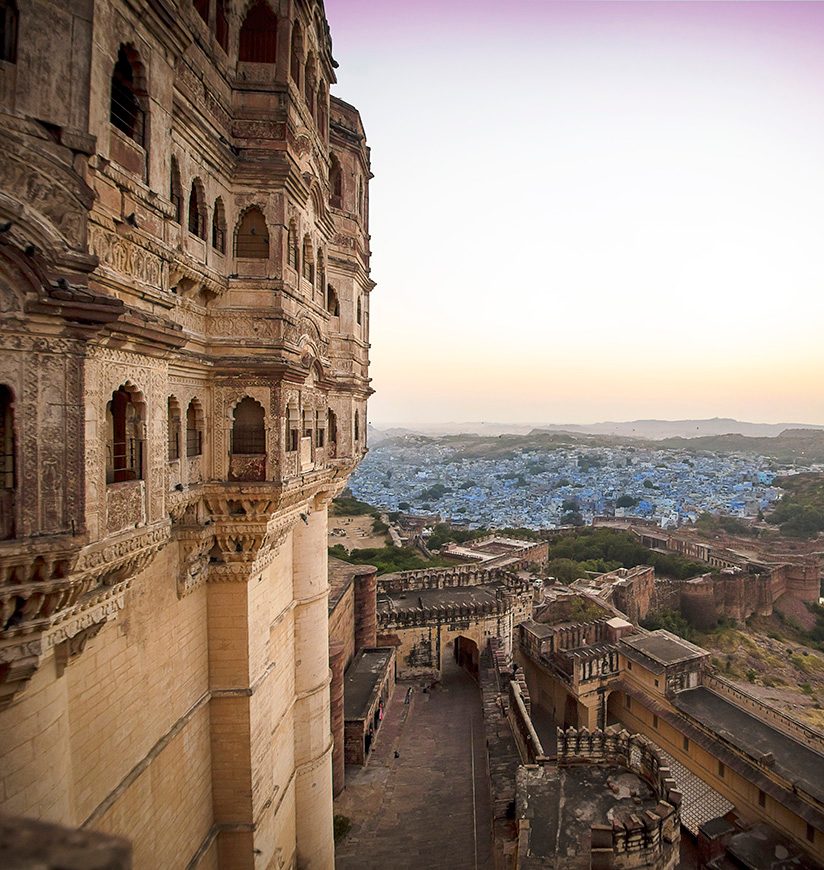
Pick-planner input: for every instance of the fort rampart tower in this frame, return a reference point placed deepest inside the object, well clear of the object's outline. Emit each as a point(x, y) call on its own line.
point(184, 288)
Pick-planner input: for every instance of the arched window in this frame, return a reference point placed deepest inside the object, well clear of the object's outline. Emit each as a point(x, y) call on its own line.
point(308, 260)
point(219, 227)
point(332, 302)
point(292, 245)
point(296, 56)
point(7, 463)
point(221, 25)
point(309, 83)
point(357, 426)
point(173, 416)
point(248, 428)
point(124, 448)
point(8, 31)
point(194, 429)
point(336, 183)
point(359, 314)
point(176, 192)
point(126, 110)
point(259, 34)
point(252, 237)
point(197, 210)
point(202, 8)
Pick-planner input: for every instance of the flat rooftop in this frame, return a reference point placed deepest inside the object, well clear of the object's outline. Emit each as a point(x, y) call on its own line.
point(660, 648)
point(538, 629)
point(793, 760)
point(361, 681)
point(341, 574)
point(562, 803)
point(428, 599)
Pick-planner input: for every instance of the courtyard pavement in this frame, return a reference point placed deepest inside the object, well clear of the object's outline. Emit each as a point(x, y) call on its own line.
point(430, 807)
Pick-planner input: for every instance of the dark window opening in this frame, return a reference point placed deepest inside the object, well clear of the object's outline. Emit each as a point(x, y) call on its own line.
point(810, 833)
point(655, 721)
point(332, 426)
point(686, 744)
point(7, 464)
point(221, 25)
point(176, 192)
point(628, 702)
point(197, 211)
point(202, 7)
point(7, 442)
point(762, 799)
point(174, 429)
point(124, 454)
point(332, 303)
point(219, 227)
point(359, 315)
point(126, 112)
point(8, 31)
point(336, 183)
point(259, 35)
point(297, 53)
point(721, 769)
point(194, 429)
point(249, 428)
point(357, 426)
point(252, 239)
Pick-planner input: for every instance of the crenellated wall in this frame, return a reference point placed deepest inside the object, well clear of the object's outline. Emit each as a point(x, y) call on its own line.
point(649, 839)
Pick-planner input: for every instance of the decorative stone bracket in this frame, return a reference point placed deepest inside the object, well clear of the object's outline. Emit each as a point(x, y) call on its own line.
point(62, 599)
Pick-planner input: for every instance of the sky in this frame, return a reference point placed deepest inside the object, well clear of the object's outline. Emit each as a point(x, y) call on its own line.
point(591, 211)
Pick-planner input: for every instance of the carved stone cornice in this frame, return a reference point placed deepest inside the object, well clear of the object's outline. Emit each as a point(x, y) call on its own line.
point(67, 589)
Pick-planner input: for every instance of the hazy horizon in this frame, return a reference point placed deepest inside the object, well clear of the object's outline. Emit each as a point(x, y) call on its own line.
point(527, 422)
point(592, 211)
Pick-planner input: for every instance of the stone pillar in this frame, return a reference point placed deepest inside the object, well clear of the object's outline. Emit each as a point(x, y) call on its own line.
point(313, 738)
point(366, 610)
point(337, 659)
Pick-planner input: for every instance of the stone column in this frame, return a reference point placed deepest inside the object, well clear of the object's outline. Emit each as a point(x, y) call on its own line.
point(337, 659)
point(284, 49)
point(313, 738)
point(366, 610)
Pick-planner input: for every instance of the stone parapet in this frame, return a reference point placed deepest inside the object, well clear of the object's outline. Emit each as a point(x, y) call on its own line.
point(649, 839)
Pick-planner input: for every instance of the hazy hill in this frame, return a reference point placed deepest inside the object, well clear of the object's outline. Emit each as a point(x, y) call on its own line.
point(805, 446)
point(641, 429)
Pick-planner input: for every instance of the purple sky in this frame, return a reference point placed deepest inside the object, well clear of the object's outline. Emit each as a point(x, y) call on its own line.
point(585, 211)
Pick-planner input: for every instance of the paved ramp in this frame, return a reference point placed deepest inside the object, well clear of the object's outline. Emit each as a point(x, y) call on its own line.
point(430, 807)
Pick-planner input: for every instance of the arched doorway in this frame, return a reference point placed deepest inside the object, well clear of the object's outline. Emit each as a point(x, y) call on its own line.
point(615, 705)
point(570, 712)
point(467, 655)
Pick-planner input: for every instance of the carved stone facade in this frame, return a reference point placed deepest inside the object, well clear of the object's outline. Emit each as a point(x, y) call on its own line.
point(184, 289)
